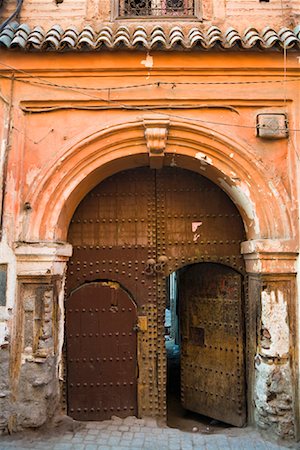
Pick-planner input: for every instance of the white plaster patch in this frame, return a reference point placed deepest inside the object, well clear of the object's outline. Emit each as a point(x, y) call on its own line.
point(274, 319)
point(148, 62)
point(42, 259)
point(61, 322)
point(262, 374)
point(7, 257)
point(195, 228)
point(241, 196)
point(30, 176)
point(204, 158)
point(3, 333)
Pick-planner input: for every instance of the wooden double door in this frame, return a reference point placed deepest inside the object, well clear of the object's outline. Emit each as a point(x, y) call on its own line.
point(128, 234)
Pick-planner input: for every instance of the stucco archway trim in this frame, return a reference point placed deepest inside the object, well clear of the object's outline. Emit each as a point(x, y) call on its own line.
point(86, 161)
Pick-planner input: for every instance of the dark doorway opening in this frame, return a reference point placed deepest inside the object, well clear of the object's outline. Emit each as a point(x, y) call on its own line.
point(176, 331)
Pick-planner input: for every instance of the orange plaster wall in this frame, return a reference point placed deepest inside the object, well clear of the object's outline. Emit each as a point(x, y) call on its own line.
point(56, 157)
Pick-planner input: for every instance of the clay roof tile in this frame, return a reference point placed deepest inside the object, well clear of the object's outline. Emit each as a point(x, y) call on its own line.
point(58, 39)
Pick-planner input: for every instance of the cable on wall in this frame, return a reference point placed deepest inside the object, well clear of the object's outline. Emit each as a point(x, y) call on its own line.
point(13, 15)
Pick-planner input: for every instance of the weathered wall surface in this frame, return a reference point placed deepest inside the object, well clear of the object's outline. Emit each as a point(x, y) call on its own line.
point(274, 379)
point(60, 136)
point(40, 144)
point(36, 389)
point(212, 12)
point(29, 381)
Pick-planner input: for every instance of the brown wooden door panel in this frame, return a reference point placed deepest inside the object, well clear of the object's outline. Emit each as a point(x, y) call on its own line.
point(197, 220)
point(101, 349)
point(113, 233)
point(212, 361)
point(142, 214)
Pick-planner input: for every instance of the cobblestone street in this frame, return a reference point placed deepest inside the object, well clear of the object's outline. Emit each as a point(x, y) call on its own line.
point(137, 434)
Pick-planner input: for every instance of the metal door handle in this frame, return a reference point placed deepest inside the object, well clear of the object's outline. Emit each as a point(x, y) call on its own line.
point(153, 267)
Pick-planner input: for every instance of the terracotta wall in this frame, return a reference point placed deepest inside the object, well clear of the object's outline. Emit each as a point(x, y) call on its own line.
point(38, 140)
point(61, 140)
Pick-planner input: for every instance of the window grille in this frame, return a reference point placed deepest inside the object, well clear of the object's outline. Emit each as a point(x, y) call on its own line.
point(156, 8)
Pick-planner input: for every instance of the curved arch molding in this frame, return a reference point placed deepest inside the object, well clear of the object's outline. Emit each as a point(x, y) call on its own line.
point(263, 202)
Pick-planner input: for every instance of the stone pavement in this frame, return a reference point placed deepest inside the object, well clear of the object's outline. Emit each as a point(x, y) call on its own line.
point(136, 434)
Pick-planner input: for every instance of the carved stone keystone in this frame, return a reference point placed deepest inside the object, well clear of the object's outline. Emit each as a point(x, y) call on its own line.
point(156, 132)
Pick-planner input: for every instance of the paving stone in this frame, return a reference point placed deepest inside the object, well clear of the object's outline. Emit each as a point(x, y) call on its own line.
point(122, 447)
point(126, 444)
point(139, 434)
point(89, 438)
point(129, 420)
point(116, 434)
point(135, 428)
point(133, 435)
point(138, 442)
point(62, 447)
point(78, 447)
point(93, 431)
point(127, 435)
point(113, 441)
point(112, 428)
point(186, 446)
point(91, 447)
point(105, 435)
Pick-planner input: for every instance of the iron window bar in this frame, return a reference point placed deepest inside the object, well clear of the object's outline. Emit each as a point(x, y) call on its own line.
point(156, 8)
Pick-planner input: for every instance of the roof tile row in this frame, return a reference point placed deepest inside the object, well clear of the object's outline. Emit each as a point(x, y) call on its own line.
point(15, 36)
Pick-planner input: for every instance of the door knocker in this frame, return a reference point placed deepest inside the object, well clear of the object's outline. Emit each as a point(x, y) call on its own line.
point(153, 267)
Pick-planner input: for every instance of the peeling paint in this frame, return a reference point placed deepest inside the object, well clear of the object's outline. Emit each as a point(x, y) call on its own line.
point(148, 62)
point(111, 284)
point(3, 333)
point(241, 196)
point(274, 320)
point(273, 398)
point(7, 257)
point(31, 175)
point(204, 158)
point(195, 228)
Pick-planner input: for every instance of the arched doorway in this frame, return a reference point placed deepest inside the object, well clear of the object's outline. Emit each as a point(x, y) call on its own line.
point(137, 227)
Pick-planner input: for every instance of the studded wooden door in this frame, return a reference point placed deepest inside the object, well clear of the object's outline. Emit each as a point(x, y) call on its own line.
point(212, 333)
point(137, 227)
point(101, 346)
point(113, 236)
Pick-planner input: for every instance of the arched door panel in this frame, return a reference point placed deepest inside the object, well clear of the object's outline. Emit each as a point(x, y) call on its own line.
point(212, 346)
point(101, 352)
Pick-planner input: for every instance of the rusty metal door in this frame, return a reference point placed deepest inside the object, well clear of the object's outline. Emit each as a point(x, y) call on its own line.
point(212, 333)
point(101, 347)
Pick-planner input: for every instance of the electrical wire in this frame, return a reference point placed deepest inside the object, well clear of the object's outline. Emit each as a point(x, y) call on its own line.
point(12, 16)
point(42, 81)
point(78, 89)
